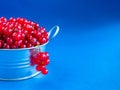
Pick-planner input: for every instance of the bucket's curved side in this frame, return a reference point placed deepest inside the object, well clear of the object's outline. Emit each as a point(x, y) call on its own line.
point(16, 64)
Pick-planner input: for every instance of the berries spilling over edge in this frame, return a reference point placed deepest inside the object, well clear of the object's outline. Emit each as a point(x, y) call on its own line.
point(41, 60)
point(21, 33)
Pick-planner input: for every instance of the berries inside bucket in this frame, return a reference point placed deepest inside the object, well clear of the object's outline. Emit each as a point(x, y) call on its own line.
point(18, 33)
point(21, 33)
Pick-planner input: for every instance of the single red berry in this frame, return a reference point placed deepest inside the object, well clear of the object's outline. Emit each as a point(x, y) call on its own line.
point(16, 36)
point(47, 55)
point(38, 43)
point(4, 37)
point(19, 36)
point(18, 43)
point(33, 41)
point(3, 24)
point(25, 32)
point(45, 34)
point(7, 24)
point(25, 42)
point(40, 68)
point(6, 45)
point(41, 29)
point(29, 37)
point(41, 55)
point(12, 19)
point(20, 20)
point(3, 19)
point(7, 31)
point(38, 35)
point(44, 71)
point(47, 38)
point(28, 27)
point(9, 40)
point(22, 46)
point(31, 23)
point(42, 40)
point(25, 20)
point(11, 26)
point(22, 36)
point(36, 25)
point(46, 62)
point(33, 33)
point(29, 45)
point(19, 27)
point(16, 24)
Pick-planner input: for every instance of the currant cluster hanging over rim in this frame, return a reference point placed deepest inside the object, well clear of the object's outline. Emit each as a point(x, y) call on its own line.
point(40, 59)
point(21, 33)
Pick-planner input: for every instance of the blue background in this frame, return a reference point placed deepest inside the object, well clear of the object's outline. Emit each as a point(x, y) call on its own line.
point(86, 53)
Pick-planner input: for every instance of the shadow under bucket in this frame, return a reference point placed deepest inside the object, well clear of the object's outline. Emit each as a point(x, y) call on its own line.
point(15, 63)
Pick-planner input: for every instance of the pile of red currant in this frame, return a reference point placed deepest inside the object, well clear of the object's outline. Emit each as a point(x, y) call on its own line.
point(21, 33)
point(40, 59)
point(18, 33)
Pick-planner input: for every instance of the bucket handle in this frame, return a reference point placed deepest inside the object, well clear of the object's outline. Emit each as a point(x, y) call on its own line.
point(54, 29)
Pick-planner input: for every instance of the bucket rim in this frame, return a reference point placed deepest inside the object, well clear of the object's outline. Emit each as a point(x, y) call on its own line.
point(26, 48)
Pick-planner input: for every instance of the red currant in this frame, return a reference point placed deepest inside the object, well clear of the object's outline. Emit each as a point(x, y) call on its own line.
point(12, 19)
point(9, 40)
point(47, 55)
point(29, 37)
point(18, 43)
point(41, 29)
point(7, 31)
point(46, 62)
point(25, 32)
point(29, 45)
point(6, 45)
point(33, 41)
point(22, 36)
point(28, 27)
point(44, 71)
point(22, 46)
point(3, 19)
point(38, 35)
point(41, 55)
point(42, 41)
point(40, 68)
point(36, 25)
point(16, 36)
